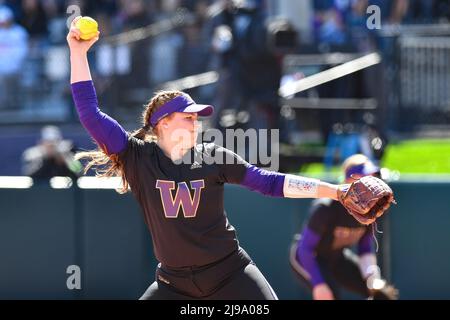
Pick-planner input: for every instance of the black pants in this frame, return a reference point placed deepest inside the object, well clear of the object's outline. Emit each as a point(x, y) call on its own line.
point(340, 269)
point(235, 277)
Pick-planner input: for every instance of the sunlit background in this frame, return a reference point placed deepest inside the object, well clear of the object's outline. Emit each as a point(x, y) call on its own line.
point(333, 77)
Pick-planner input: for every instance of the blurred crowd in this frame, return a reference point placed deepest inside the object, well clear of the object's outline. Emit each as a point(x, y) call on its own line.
point(231, 37)
point(33, 57)
point(32, 32)
point(341, 24)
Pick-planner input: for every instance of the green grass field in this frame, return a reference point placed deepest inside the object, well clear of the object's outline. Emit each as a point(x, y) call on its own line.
point(418, 156)
point(407, 157)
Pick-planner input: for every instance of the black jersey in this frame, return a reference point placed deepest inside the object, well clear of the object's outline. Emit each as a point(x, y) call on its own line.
point(337, 228)
point(183, 204)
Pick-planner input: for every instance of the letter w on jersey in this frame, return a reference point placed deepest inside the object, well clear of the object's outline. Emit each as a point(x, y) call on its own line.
point(182, 198)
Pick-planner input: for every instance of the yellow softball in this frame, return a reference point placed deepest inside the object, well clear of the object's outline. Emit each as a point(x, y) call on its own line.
point(88, 28)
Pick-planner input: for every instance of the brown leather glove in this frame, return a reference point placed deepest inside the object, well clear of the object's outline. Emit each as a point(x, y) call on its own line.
point(366, 199)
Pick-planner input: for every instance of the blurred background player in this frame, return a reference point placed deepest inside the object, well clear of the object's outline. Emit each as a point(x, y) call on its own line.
point(52, 156)
point(13, 52)
point(321, 255)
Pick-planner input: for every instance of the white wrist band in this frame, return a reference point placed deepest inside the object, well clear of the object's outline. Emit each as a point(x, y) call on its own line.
point(300, 187)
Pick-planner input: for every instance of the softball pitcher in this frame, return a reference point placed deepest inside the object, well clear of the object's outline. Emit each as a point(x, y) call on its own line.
point(182, 201)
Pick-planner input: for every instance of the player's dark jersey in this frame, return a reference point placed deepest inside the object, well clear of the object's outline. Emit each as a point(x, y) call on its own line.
point(336, 227)
point(183, 204)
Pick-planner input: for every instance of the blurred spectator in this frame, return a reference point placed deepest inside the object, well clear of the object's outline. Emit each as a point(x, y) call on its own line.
point(329, 23)
point(219, 31)
point(13, 51)
point(194, 53)
point(429, 11)
point(201, 10)
point(108, 7)
point(398, 11)
point(14, 5)
point(392, 12)
point(53, 8)
point(133, 56)
point(195, 49)
point(341, 24)
point(165, 47)
point(251, 70)
point(360, 35)
point(34, 18)
point(421, 11)
point(51, 157)
point(134, 14)
point(442, 11)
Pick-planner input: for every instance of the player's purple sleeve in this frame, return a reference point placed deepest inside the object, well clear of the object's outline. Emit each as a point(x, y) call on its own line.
point(365, 244)
point(306, 255)
point(106, 131)
point(266, 182)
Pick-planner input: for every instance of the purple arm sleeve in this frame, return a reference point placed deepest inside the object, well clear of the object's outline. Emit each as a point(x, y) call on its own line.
point(106, 131)
point(365, 244)
point(306, 255)
point(266, 182)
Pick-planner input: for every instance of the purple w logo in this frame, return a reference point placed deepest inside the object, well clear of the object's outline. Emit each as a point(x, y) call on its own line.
point(183, 197)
